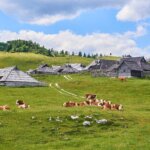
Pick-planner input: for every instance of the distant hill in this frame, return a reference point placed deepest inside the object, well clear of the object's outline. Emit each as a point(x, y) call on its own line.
point(29, 46)
point(33, 47)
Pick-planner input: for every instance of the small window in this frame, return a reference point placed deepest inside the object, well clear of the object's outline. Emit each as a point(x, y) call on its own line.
point(124, 70)
point(1, 77)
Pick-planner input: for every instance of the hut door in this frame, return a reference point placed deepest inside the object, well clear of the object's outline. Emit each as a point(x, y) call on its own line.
point(136, 73)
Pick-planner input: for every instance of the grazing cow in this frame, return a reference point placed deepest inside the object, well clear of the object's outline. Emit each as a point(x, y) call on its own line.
point(90, 96)
point(21, 104)
point(116, 107)
point(70, 104)
point(4, 107)
point(122, 79)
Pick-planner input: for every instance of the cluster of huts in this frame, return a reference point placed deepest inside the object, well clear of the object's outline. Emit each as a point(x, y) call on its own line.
point(125, 67)
point(64, 69)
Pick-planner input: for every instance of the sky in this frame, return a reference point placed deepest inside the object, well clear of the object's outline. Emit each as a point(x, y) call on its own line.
point(120, 27)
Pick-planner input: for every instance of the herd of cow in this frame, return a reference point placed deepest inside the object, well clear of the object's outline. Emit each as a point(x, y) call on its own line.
point(19, 103)
point(92, 101)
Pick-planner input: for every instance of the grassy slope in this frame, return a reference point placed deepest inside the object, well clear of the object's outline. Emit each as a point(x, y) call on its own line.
point(27, 61)
point(129, 129)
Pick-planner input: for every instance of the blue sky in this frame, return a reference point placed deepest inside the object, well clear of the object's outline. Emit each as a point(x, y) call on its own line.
point(98, 26)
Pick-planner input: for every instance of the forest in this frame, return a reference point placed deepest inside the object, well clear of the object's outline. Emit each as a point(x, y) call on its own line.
point(33, 47)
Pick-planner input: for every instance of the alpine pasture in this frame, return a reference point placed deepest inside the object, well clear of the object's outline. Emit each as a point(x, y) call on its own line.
point(47, 125)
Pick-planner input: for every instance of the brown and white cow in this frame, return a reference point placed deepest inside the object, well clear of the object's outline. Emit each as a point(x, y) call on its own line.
point(70, 104)
point(106, 105)
point(116, 107)
point(4, 107)
point(90, 96)
point(22, 104)
point(82, 103)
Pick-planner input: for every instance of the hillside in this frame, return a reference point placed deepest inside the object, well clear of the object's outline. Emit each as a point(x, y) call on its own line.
point(26, 61)
point(39, 128)
point(33, 47)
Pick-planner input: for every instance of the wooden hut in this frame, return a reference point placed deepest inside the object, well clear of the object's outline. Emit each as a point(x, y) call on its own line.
point(12, 76)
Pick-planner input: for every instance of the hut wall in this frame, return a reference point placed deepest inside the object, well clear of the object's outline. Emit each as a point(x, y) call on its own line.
point(112, 74)
point(146, 73)
point(124, 71)
point(21, 84)
point(98, 73)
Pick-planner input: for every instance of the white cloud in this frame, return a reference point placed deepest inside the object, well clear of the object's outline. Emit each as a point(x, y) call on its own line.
point(44, 12)
point(117, 44)
point(49, 11)
point(135, 10)
point(140, 31)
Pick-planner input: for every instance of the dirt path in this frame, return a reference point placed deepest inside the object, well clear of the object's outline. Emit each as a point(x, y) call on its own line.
point(57, 87)
point(66, 77)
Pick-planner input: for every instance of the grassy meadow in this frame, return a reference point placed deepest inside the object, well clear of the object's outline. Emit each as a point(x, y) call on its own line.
point(37, 128)
point(26, 61)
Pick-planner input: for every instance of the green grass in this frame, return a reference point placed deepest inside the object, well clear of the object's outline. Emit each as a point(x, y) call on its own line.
point(31, 129)
point(26, 61)
point(110, 57)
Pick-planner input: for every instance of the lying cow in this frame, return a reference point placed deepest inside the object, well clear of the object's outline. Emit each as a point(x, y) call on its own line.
point(4, 107)
point(82, 103)
point(21, 104)
point(90, 96)
point(116, 107)
point(70, 104)
point(106, 105)
point(92, 102)
point(112, 106)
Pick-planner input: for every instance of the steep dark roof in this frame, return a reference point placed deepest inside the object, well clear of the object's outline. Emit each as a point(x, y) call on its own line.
point(46, 69)
point(133, 65)
point(44, 65)
point(139, 63)
point(135, 59)
point(67, 69)
point(145, 66)
point(102, 64)
point(105, 64)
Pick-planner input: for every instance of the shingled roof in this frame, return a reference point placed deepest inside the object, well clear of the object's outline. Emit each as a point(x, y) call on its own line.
point(102, 64)
point(145, 66)
point(67, 69)
point(134, 63)
point(77, 66)
point(14, 76)
point(135, 59)
point(46, 69)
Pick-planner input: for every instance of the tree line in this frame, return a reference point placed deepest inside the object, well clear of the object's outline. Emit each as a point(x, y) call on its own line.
point(30, 46)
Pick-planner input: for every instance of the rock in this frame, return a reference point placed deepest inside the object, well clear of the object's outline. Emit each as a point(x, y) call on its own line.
point(74, 117)
point(88, 117)
point(86, 123)
point(102, 121)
